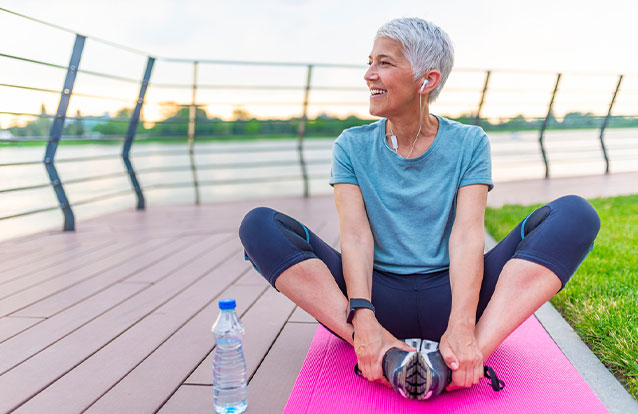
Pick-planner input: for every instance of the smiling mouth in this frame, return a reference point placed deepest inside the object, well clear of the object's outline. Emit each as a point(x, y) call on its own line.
point(377, 92)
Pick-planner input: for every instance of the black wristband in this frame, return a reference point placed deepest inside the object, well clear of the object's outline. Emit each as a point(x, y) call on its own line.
point(357, 303)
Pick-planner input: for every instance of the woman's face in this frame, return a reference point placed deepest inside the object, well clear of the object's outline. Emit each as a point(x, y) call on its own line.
point(393, 89)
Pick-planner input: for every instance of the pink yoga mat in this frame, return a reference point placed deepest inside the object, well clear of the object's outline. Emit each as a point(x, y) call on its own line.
point(538, 379)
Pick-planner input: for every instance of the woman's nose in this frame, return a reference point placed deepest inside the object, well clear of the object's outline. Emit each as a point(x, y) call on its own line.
point(371, 74)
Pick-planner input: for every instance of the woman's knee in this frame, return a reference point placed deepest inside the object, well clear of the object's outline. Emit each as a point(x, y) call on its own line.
point(255, 220)
point(582, 215)
point(264, 221)
point(254, 232)
point(564, 236)
point(273, 242)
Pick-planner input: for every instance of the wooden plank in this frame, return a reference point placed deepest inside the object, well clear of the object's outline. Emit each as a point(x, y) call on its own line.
point(170, 342)
point(191, 399)
point(270, 388)
point(252, 277)
point(301, 316)
point(20, 260)
point(186, 219)
point(201, 378)
point(157, 261)
point(38, 372)
point(30, 342)
point(330, 232)
point(77, 260)
point(84, 343)
point(194, 250)
point(49, 241)
point(163, 371)
point(45, 289)
point(10, 326)
point(63, 261)
point(262, 322)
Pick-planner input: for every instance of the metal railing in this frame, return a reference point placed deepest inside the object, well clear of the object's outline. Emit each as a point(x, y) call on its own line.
point(193, 121)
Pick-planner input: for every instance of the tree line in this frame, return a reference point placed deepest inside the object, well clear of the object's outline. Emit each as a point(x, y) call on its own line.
point(175, 124)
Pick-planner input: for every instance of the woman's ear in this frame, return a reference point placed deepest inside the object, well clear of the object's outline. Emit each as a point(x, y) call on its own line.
point(429, 81)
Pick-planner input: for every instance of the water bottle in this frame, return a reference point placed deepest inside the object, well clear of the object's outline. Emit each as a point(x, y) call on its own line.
point(230, 395)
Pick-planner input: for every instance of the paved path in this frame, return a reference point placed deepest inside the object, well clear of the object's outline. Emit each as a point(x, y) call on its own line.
point(540, 190)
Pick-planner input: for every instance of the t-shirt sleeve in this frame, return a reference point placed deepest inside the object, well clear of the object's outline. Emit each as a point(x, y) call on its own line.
point(479, 170)
point(342, 170)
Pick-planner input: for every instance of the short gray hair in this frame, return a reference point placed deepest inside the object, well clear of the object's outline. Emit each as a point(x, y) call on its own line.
point(425, 45)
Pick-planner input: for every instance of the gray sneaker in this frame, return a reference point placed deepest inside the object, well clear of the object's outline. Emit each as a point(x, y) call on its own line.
point(440, 374)
point(406, 372)
point(416, 375)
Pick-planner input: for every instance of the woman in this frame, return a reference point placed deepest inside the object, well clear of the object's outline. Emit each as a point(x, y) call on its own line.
point(411, 191)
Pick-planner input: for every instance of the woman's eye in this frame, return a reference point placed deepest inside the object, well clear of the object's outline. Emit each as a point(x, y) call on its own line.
point(380, 63)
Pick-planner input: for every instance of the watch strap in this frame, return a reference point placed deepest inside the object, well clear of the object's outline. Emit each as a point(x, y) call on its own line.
point(358, 303)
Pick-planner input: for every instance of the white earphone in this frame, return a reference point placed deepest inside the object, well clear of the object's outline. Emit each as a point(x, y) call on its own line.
point(393, 138)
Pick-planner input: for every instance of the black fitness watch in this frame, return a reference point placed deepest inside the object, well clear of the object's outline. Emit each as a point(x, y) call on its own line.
point(357, 303)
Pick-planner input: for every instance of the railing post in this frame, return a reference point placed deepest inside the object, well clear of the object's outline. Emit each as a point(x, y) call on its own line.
point(544, 126)
point(192, 115)
point(302, 133)
point(130, 134)
point(605, 122)
point(56, 133)
point(477, 119)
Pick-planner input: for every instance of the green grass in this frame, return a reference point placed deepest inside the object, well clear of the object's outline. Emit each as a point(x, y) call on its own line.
point(601, 300)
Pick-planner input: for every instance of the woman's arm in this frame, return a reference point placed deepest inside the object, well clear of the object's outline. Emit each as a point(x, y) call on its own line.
point(357, 244)
point(467, 242)
point(371, 340)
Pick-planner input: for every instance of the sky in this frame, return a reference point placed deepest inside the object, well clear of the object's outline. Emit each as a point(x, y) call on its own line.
point(576, 37)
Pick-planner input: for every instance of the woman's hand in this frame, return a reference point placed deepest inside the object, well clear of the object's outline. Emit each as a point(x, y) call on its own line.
point(371, 342)
point(461, 353)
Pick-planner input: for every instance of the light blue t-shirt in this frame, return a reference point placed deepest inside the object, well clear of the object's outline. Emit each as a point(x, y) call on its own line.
point(411, 203)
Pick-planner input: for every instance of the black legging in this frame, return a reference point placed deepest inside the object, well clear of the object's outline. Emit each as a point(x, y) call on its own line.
point(558, 236)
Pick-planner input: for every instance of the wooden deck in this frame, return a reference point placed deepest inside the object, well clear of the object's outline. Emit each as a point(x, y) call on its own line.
point(116, 317)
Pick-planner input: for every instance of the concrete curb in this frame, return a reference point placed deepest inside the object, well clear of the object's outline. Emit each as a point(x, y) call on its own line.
point(612, 394)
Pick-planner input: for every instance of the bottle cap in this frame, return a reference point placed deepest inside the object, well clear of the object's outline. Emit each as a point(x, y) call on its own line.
point(227, 304)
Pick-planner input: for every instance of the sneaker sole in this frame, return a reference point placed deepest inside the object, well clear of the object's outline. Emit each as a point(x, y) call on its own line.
point(415, 377)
